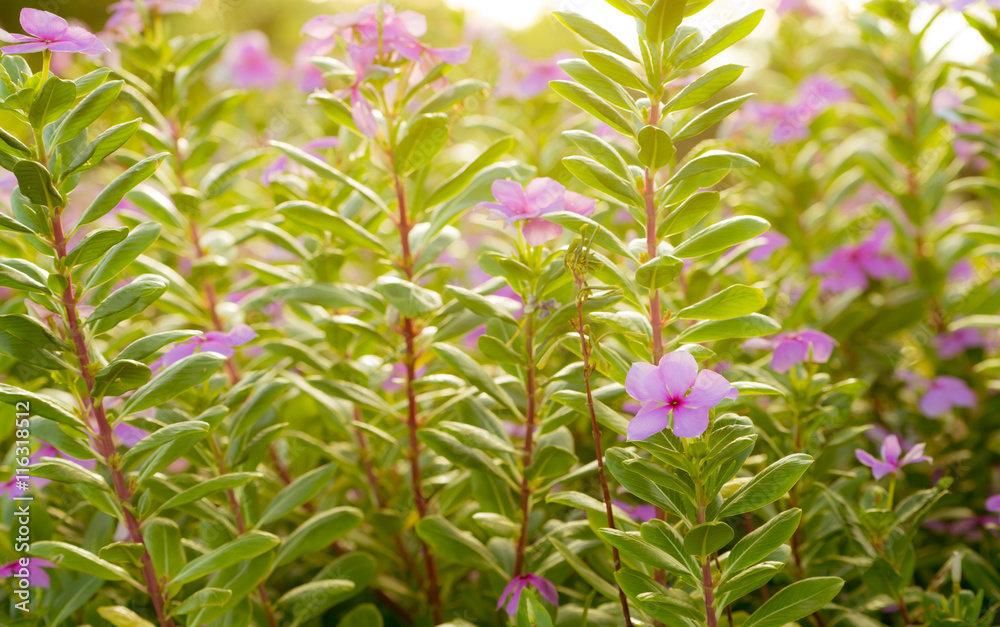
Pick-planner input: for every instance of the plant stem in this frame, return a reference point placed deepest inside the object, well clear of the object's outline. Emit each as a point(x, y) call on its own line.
point(412, 423)
point(529, 441)
point(706, 581)
point(105, 442)
point(606, 492)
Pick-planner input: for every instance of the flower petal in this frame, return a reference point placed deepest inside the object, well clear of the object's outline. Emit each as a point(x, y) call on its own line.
point(578, 203)
point(993, 503)
point(915, 455)
point(537, 231)
point(545, 587)
point(788, 353)
point(690, 422)
point(678, 371)
point(545, 194)
point(510, 193)
point(652, 418)
point(891, 449)
point(879, 468)
point(643, 383)
point(43, 24)
point(709, 389)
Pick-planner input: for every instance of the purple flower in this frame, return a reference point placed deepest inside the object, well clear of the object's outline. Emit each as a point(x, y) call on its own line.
point(247, 62)
point(675, 395)
point(801, 7)
point(771, 242)
point(30, 568)
point(954, 343)
point(851, 267)
point(795, 347)
point(213, 341)
point(638, 513)
point(129, 435)
point(944, 394)
point(528, 204)
point(993, 503)
point(891, 460)
point(47, 31)
point(517, 585)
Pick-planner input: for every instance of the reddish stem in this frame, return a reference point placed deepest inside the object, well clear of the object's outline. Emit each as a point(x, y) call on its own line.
point(105, 441)
point(412, 422)
point(595, 427)
point(522, 543)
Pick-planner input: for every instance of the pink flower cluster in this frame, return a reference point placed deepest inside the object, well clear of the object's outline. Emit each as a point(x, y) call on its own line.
point(854, 267)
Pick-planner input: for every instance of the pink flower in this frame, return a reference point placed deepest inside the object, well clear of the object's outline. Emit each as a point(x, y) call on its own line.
point(674, 395)
point(310, 77)
point(247, 62)
point(33, 571)
point(517, 585)
point(397, 377)
point(129, 435)
point(891, 461)
point(47, 31)
point(946, 393)
point(795, 6)
point(993, 503)
point(528, 78)
point(213, 341)
point(795, 347)
point(638, 513)
point(851, 267)
point(954, 343)
point(772, 241)
point(541, 196)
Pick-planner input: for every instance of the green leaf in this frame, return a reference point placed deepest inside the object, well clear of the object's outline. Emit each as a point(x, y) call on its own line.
point(146, 346)
point(734, 301)
point(425, 137)
point(312, 215)
point(206, 597)
point(102, 146)
point(663, 19)
point(705, 86)
point(328, 172)
point(123, 254)
point(163, 542)
point(112, 195)
point(762, 541)
point(55, 99)
point(712, 116)
point(242, 549)
point(205, 488)
point(449, 541)
point(584, 74)
point(222, 176)
point(366, 615)
point(13, 276)
point(174, 380)
point(121, 616)
point(595, 34)
point(753, 325)
point(32, 332)
point(550, 461)
point(588, 575)
point(746, 581)
point(297, 493)
point(602, 151)
point(796, 601)
point(120, 376)
point(721, 235)
point(449, 447)
point(460, 181)
point(452, 94)
point(658, 272)
point(707, 538)
point(595, 175)
point(166, 446)
point(614, 68)
point(66, 471)
point(35, 183)
point(656, 148)
point(39, 405)
point(480, 305)
point(666, 538)
point(319, 532)
point(467, 368)
point(94, 245)
point(410, 299)
point(312, 599)
point(689, 213)
point(633, 546)
point(89, 109)
point(592, 104)
point(604, 238)
point(767, 487)
point(75, 558)
point(710, 161)
point(721, 39)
